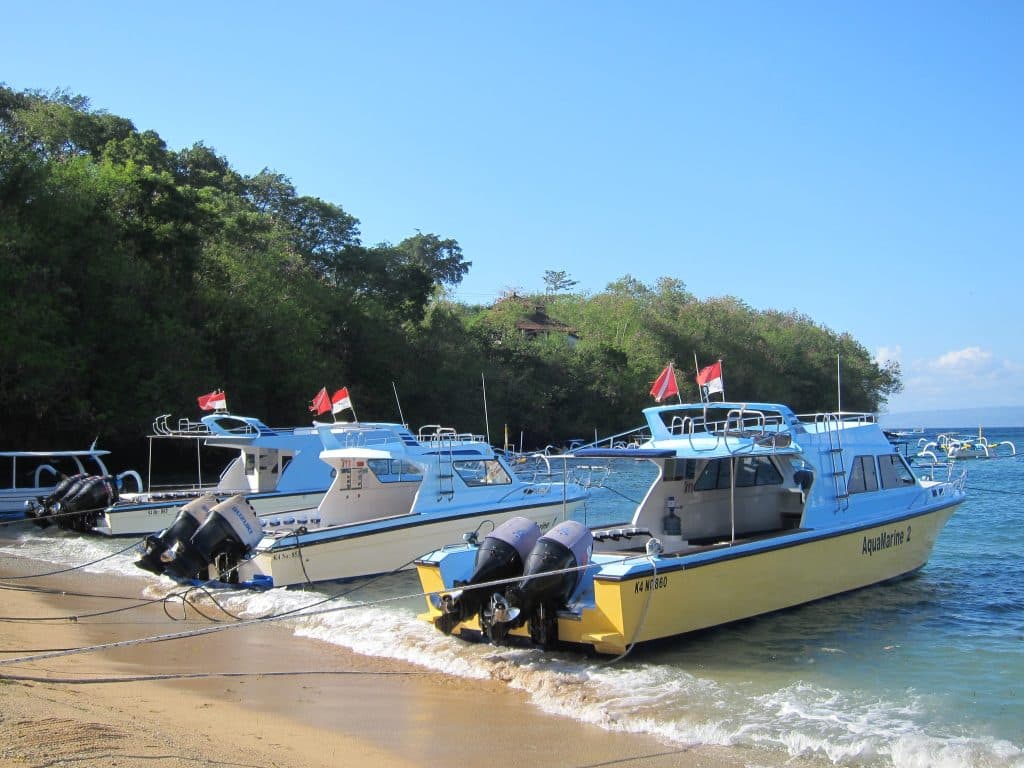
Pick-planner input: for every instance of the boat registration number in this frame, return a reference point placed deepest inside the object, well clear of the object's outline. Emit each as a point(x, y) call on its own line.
point(649, 585)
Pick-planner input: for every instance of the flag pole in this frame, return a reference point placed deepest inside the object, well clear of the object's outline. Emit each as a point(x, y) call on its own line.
point(400, 416)
point(696, 370)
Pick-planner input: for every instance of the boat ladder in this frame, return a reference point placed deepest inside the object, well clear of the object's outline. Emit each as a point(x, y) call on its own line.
point(833, 427)
point(445, 468)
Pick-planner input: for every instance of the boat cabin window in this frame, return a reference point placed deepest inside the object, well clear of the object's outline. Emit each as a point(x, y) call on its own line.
point(394, 470)
point(863, 475)
point(895, 472)
point(679, 469)
point(482, 472)
point(267, 462)
point(750, 471)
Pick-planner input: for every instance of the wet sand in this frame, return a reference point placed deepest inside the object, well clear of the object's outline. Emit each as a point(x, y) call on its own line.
point(265, 697)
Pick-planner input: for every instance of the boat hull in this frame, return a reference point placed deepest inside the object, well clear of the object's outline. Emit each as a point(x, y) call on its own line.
point(381, 549)
point(143, 519)
point(12, 501)
point(677, 595)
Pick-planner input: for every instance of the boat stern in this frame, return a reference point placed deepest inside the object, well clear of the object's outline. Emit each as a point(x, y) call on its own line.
point(581, 622)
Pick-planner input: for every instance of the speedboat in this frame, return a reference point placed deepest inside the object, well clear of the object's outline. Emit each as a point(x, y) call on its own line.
point(753, 509)
point(394, 496)
point(276, 469)
point(35, 475)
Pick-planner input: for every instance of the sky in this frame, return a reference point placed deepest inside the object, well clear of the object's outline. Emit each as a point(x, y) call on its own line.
point(860, 163)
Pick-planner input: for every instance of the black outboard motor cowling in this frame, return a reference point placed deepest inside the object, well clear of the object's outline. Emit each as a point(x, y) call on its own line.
point(542, 591)
point(39, 510)
point(231, 530)
point(500, 556)
point(83, 504)
point(189, 518)
point(62, 489)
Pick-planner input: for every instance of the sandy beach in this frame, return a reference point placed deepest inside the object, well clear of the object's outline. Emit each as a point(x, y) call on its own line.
point(261, 697)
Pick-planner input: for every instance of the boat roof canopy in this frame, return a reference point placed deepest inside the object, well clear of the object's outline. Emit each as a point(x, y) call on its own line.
point(623, 453)
point(355, 453)
point(44, 454)
point(229, 425)
point(783, 410)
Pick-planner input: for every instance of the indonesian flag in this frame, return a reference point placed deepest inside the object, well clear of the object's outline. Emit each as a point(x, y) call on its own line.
point(321, 403)
point(665, 385)
point(214, 401)
point(710, 378)
point(340, 401)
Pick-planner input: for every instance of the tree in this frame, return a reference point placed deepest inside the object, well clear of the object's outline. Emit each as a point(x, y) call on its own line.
point(136, 277)
point(556, 282)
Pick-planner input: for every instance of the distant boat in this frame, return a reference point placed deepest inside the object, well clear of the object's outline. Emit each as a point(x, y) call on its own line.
point(952, 446)
point(753, 510)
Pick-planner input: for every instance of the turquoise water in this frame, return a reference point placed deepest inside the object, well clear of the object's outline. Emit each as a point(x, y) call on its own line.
point(928, 671)
point(922, 672)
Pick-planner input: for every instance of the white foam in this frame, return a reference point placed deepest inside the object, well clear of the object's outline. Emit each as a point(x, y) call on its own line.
point(680, 706)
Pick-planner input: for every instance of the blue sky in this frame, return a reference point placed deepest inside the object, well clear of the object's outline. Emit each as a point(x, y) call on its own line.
point(861, 163)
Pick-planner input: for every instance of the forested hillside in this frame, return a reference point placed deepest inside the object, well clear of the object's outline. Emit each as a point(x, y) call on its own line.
point(136, 277)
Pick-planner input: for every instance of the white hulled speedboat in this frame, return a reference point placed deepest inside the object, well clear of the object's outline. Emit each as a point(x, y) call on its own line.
point(276, 469)
point(753, 510)
point(394, 496)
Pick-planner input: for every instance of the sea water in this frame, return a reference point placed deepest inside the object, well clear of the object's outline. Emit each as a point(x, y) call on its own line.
point(927, 671)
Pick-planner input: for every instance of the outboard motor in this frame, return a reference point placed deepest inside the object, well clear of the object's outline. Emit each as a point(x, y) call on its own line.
point(189, 518)
point(82, 505)
point(537, 597)
point(39, 510)
point(231, 530)
point(500, 556)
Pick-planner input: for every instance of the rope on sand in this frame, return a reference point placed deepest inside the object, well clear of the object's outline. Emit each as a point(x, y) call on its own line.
point(74, 567)
point(199, 676)
point(297, 613)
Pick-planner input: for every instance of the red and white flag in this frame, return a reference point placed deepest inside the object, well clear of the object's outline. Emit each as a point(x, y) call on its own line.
point(214, 401)
point(321, 403)
point(710, 378)
point(665, 385)
point(340, 401)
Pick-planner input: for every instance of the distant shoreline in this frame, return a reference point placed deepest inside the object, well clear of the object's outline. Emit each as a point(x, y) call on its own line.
point(989, 417)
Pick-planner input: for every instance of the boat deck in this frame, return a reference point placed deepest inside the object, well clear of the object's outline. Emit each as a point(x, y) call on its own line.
point(696, 546)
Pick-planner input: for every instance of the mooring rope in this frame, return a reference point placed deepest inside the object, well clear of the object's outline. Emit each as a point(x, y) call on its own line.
point(296, 613)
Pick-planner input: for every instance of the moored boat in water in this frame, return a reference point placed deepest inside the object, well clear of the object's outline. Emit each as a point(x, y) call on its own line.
point(394, 496)
point(952, 446)
point(40, 477)
point(753, 510)
point(276, 469)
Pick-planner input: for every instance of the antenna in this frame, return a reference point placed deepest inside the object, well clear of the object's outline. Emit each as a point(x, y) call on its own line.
point(401, 418)
point(487, 422)
point(839, 386)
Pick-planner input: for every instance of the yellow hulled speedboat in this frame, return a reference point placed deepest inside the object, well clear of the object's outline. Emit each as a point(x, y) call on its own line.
point(753, 510)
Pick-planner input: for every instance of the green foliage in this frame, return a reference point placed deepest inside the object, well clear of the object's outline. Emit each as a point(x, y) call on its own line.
point(137, 277)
